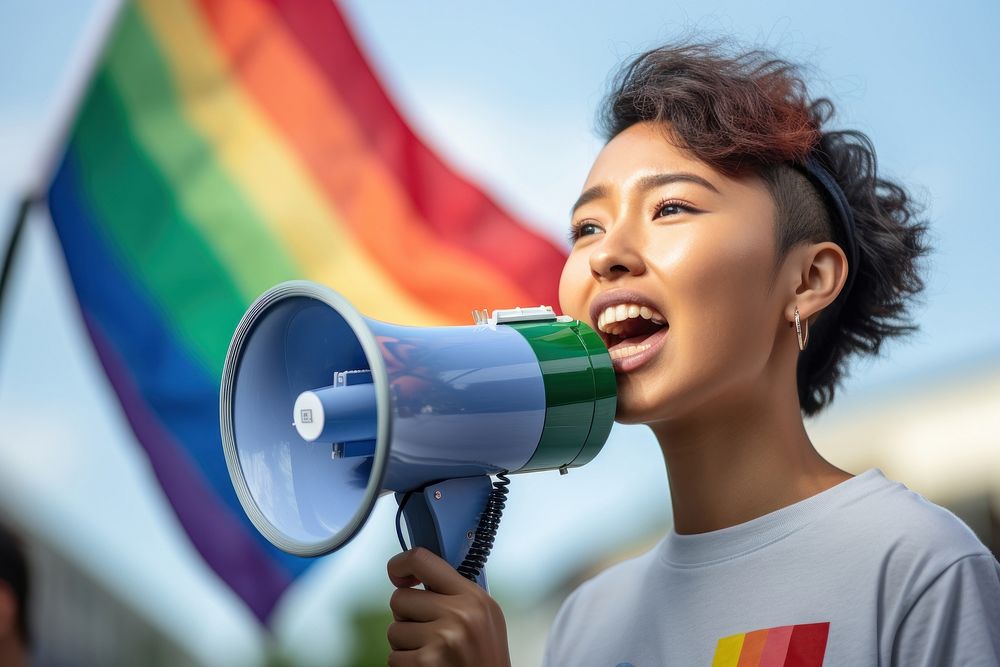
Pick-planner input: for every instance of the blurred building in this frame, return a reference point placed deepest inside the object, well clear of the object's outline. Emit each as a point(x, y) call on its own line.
point(78, 620)
point(939, 435)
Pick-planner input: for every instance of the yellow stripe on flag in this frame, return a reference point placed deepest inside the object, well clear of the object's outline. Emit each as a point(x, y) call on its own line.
point(270, 176)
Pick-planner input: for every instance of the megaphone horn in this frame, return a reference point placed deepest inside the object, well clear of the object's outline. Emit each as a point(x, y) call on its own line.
point(323, 410)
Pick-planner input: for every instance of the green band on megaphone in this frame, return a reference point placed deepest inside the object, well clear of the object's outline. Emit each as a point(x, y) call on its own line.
point(605, 395)
point(578, 390)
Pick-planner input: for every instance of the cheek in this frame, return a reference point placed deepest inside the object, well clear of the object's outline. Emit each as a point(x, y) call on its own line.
point(573, 285)
point(716, 289)
point(730, 284)
point(718, 267)
point(741, 279)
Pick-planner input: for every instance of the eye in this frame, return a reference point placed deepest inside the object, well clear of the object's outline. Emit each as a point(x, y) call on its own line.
point(671, 207)
point(577, 232)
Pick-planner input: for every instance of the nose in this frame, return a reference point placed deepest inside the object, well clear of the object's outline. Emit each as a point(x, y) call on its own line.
point(617, 255)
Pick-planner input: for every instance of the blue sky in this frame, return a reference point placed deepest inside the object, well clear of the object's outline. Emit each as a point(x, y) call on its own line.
point(507, 93)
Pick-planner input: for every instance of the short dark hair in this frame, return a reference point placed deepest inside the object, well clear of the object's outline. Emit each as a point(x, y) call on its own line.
point(14, 572)
point(748, 111)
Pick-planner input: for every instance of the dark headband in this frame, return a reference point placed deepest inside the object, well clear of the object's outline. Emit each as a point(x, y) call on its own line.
point(822, 178)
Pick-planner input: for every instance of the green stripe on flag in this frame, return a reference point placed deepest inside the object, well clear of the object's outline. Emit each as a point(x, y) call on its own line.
point(204, 191)
point(137, 211)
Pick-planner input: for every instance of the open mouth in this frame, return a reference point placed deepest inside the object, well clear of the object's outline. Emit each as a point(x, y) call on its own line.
point(633, 334)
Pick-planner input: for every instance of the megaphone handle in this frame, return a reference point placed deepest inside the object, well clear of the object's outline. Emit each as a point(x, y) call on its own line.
point(443, 517)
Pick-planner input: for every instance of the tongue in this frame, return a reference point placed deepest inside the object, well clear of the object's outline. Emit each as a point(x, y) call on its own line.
point(634, 340)
point(637, 339)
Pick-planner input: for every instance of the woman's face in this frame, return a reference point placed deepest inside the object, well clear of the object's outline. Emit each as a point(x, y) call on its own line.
point(672, 265)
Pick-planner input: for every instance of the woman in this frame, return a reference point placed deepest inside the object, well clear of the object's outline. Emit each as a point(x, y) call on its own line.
point(734, 253)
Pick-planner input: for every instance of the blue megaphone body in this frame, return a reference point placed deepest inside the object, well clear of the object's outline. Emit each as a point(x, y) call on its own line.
point(323, 410)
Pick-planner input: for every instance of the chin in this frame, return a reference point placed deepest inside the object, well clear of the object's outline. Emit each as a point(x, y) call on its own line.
point(635, 407)
point(652, 402)
point(632, 418)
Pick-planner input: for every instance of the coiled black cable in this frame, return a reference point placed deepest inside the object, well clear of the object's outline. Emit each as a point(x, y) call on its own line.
point(486, 531)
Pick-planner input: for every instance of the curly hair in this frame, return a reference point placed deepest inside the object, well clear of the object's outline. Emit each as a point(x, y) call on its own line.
point(750, 112)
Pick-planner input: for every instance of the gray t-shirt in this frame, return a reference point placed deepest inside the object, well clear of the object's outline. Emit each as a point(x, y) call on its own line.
point(865, 573)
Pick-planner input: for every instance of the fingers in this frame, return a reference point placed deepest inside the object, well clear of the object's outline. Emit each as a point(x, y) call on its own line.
point(408, 604)
point(421, 566)
point(453, 622)
point(418, 658)
point(409, 636)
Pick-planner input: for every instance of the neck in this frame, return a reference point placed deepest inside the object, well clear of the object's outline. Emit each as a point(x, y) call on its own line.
point(739, 459)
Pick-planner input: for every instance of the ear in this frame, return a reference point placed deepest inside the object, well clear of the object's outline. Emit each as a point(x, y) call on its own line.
point(820, 273)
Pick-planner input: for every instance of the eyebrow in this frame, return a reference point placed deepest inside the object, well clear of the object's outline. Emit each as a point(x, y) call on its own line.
point(645, 183)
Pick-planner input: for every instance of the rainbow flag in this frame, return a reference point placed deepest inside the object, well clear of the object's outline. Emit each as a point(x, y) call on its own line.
point(227, 145)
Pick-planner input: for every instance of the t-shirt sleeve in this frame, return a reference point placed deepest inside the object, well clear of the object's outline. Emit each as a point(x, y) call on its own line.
point(956, 619)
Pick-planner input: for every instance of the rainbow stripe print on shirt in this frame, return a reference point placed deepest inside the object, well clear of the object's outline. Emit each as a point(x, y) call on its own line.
point(784, 646)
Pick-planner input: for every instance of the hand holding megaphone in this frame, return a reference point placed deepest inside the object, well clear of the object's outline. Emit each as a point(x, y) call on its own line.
point(323, 410)
point(451, 622)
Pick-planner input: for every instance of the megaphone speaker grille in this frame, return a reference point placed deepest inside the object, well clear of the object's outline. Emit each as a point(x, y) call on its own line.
point(304, 497)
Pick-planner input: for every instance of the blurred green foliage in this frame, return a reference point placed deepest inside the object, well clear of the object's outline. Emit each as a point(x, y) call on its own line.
point(368, 625)
point(371, 648)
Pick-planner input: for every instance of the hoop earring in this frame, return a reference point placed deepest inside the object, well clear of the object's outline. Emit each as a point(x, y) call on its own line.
point(803, 341)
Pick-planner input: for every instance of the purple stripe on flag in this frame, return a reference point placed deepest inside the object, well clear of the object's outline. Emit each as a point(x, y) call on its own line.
point(221, 538)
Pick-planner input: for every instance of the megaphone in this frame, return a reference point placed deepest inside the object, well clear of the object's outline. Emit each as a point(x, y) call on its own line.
point(323, 411)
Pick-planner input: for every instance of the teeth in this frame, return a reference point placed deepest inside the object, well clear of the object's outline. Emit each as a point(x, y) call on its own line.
point(622, 352)
point(606, 321)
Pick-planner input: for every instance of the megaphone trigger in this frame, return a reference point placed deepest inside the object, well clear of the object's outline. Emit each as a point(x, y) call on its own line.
point(455, 519)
